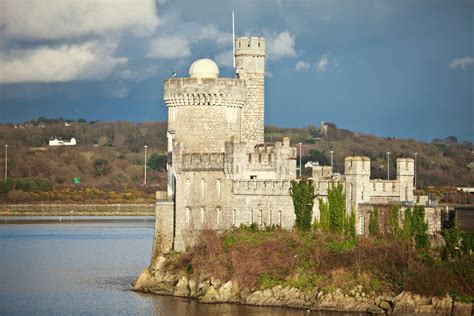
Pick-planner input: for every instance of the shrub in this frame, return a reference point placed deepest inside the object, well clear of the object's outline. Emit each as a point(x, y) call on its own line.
point(6, 186)
point(101, 167)
point(336, 201)
point(323, 215)
point(351, 225)
point(302, 193)
point(157, 162)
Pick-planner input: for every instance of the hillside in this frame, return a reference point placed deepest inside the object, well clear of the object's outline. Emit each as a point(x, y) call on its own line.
point(110, 156)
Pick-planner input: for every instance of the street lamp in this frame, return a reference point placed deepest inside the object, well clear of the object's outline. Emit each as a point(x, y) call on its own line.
point(6, 161)
point(388, 165)
point(300, 158)
point(146, 146)
point(415, 168)
point(332, 160)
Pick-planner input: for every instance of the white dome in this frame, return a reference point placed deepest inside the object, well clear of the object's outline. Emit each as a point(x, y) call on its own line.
point(204, 68)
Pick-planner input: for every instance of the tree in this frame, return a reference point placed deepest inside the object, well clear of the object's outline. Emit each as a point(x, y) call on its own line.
point(157, 162)
point(302, 193)
point(324, 215)
point(101, 167)
point(337, 212)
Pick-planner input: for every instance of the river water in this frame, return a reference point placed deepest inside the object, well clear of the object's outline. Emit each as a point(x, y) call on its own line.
point(85, 265)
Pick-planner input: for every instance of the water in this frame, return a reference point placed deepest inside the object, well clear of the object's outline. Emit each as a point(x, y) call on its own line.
point(85, 265)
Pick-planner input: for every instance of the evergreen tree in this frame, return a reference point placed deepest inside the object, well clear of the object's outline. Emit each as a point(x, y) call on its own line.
point(302, 193)
point(336, 200)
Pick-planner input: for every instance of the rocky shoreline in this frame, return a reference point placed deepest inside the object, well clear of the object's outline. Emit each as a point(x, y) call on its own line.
point(211, 290)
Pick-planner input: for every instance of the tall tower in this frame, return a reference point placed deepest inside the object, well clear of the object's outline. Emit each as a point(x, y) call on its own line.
point(250, 66)
point(405, 174)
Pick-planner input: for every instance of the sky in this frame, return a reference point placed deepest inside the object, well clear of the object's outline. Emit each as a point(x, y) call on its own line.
point(388, 68)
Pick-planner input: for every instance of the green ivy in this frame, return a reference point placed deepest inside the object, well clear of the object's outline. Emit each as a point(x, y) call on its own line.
point(394, 226)
point(374, 222)
point(323, 215)
point(302, 193)
point(337, 205)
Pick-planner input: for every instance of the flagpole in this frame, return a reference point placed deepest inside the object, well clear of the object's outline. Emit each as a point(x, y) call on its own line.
point(233, 39)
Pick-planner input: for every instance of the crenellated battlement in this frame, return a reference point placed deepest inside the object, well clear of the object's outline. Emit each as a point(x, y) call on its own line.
point(263, 187)
point(196, 91)
point(254, 46)
point(384, 187)
point(202, 162)
point(357, 165)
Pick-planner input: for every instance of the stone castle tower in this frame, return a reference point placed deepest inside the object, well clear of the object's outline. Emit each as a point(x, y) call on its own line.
point(250, 67)
point(221, 173)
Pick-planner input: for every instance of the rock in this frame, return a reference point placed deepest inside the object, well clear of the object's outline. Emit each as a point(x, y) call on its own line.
point(442, 306)
point(143, 281)
point(244, 293)
point(254, 298)
point(193, 287)
point(225, 292)
point(235, 293)
point(157, 265)
point(202, 288)
point(215, 282)
point(462, 309)
point(211, 295)
point(437, 241)
point(385, 306)
point(375, 310)
point(182, 288)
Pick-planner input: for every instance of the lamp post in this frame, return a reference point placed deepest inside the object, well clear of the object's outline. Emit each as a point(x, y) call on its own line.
point(388, 165)
point(6, 161)
point(332, 160)
point(146, 146)
point(300, 158)
point(414, 154)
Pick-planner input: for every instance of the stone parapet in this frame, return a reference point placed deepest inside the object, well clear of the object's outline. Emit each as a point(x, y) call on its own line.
point(202, 162)
point(264, 187)
point(196, 91)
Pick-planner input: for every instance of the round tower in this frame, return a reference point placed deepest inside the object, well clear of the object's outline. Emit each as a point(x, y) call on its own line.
point(250, 66)
point(204, 110)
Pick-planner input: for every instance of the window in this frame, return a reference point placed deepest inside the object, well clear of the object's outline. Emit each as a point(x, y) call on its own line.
point(271, 217)
point(218, 188)
point(253, 177)
point(260, 218)
point(251, 217)
point(188, 215)
point(202, 215)
point(188, 187)
point(203, 188)
point(218, 216)
point(279, 218)
point(234, 217)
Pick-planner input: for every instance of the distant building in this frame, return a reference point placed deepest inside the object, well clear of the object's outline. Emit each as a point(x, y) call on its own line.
point(57, 142)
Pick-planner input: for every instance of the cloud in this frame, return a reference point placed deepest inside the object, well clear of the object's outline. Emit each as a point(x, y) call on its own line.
point(48, 20)
point(461, 63)
point(280, 46)
point(302, 65)
point(211, 32)
point(225, 59)
point(325, 62)
point(88, 61)
point(169, 47)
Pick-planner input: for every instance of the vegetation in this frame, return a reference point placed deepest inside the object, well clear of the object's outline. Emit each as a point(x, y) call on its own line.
point(374, 222)
point(337, 209)
point(269, 257)
point(302, 193)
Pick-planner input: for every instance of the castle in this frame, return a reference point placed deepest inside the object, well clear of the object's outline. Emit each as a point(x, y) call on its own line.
point(220, 172)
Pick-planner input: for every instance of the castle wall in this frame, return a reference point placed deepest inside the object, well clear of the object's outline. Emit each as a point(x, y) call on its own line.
point(204, 113)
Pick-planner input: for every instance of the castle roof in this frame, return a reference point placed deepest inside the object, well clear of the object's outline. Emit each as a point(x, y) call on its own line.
point(204, 68)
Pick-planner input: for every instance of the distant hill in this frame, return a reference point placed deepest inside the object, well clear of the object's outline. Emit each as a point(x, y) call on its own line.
point(111, 155)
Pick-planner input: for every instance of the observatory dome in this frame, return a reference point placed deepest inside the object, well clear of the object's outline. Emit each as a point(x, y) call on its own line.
point(204, 68)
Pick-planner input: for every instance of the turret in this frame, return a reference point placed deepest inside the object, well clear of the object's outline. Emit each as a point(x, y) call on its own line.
point(357, 171)
point(250, 66)
point(405, 175)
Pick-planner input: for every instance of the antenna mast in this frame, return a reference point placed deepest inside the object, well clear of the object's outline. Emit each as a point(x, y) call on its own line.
point(233, 39)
